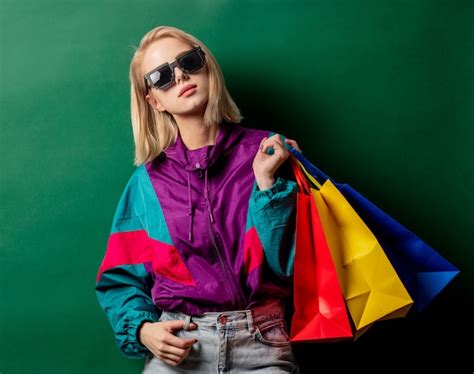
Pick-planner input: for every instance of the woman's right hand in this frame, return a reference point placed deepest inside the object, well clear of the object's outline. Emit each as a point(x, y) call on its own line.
point(158, 337)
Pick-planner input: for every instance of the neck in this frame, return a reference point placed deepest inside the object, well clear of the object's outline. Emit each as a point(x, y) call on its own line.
point(194, 133)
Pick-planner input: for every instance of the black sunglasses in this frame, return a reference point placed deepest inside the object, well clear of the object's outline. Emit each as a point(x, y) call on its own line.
point(163, 76)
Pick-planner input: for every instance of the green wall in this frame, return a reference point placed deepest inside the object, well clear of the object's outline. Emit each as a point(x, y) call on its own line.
point(379, 94)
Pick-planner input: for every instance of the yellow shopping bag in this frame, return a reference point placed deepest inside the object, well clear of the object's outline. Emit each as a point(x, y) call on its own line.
point(371, 287)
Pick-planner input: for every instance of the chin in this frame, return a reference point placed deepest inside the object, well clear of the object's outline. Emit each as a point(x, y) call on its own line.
point(196, 104)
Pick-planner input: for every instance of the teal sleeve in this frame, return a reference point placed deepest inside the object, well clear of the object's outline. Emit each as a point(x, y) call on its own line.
point(124, 296)
point(273, 212)
point(124, 281)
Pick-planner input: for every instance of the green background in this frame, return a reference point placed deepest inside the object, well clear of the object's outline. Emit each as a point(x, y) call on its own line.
point(378, 94)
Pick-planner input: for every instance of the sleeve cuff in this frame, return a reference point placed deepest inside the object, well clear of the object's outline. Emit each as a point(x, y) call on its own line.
point(280, 190)
point(275, 202)
point(128, 340)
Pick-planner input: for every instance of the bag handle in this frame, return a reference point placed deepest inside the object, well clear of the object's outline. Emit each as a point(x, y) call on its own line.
point(301, 180)
point(309, 176)
point(311, 169)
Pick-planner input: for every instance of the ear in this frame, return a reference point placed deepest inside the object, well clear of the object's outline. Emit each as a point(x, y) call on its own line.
point(154, 103)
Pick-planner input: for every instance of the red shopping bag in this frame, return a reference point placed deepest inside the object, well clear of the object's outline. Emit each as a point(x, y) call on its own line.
point(319, 308)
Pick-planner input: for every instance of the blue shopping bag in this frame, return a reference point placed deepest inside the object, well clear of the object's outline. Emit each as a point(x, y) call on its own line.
point(423, 271)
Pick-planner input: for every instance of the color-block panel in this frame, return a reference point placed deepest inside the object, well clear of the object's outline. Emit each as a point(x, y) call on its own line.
point(127, 248)
point(253, 250)
point(168, 263)
point(136, 247)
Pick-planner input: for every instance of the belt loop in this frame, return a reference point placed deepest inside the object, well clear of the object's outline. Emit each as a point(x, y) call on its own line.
point(250, 321)
point(187, 321)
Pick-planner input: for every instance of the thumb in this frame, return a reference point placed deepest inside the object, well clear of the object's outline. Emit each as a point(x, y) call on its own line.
point(178, 324)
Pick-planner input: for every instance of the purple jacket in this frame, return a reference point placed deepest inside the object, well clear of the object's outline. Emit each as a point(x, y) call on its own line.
point(193, 233)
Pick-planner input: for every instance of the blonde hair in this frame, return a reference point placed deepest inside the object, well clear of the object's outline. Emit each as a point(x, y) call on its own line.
point(154, 131)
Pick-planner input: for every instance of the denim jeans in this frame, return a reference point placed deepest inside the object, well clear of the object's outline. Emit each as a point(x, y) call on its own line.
point(239, 341)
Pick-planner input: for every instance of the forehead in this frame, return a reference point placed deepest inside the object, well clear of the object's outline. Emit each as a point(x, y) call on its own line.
point(163, 50)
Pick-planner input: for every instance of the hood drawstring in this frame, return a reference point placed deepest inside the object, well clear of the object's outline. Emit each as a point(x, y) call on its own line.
point(191, 207)
point(206, 196)
point(228, 136)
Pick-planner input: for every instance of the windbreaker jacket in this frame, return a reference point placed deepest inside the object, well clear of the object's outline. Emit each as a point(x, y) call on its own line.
point(192, 232)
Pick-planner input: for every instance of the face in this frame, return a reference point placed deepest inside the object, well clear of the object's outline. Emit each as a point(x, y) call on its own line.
point(169, 99)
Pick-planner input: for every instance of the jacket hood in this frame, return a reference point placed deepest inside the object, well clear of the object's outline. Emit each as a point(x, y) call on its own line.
point(201, 159)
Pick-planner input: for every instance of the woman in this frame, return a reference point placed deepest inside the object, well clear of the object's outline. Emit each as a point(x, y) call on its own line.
point(200, 253)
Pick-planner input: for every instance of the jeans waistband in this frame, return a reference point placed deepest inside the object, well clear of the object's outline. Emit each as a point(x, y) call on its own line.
point(237, 319)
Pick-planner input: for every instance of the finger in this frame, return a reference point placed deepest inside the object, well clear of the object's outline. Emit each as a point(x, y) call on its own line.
point(274, 138)
point(271, 141)
point(170, 356)
point(268, 144)
point(176, 358)
point(277, 138)
point(169, 362)
point(176, 341)
point(279, 149)
point(294, 144)
point(186, 353)
point(177, 324)
point(173, 350)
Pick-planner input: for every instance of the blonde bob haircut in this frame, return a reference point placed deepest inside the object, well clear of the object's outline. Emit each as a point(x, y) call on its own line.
point(153, 130)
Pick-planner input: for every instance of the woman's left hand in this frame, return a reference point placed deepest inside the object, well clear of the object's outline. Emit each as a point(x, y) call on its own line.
point(264, 165)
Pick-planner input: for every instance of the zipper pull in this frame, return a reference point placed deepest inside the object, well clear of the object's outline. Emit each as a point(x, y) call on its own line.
point(210, 211)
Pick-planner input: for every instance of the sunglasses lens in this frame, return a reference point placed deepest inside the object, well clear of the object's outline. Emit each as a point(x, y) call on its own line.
point(161, 77)
point(190, 62)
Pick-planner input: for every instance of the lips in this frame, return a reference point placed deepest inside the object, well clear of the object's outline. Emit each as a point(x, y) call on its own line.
point(185, 88)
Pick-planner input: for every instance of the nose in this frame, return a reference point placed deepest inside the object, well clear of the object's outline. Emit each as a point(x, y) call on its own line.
point(179, 74)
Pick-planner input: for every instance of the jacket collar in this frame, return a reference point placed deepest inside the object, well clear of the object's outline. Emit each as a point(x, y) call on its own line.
point(204, 157)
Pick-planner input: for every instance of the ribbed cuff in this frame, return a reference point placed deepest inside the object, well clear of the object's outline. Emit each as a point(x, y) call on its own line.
point(280, 188)
point(130, 345)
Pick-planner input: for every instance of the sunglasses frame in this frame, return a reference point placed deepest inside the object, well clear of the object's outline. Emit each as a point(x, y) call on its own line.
point(172, 65)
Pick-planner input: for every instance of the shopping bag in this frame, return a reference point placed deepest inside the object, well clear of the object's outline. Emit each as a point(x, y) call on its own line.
point(422, 270)
point(371, 286)
point(320, 312)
